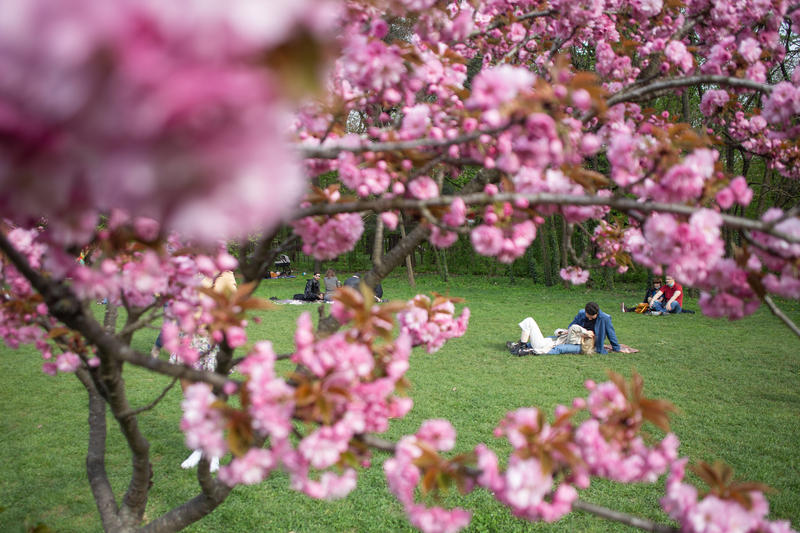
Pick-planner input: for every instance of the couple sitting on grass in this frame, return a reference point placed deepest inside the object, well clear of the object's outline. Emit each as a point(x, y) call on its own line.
point(660, 299)
point(585, 334)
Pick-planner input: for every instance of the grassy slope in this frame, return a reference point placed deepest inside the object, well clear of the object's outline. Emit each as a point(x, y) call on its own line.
point(736, 384)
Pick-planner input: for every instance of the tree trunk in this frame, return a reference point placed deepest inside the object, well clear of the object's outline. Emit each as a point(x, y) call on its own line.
point(544, 236)
point(766, 182)
point(409, 268)
point(439, 268)
point(564, 258)
point(377, 244)
point(110, 317)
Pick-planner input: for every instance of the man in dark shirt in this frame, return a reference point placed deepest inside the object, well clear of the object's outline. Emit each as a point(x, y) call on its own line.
point(312, 291)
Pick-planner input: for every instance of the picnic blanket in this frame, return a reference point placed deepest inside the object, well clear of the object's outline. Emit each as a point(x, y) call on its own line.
point(290, 301)
point(623, 348)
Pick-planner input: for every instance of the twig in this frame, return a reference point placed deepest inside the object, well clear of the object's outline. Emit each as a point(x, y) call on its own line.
point(333, 151)
point(623, 518)
point(152, 404)
point(138, 324)
point(499, 23)
point(780, 314)
point(427, 215)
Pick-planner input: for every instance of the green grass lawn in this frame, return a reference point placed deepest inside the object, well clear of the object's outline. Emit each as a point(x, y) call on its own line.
point(737, 385)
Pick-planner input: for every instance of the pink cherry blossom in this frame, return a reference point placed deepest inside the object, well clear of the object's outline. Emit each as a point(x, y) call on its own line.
point(202, 423)
point(575, 275)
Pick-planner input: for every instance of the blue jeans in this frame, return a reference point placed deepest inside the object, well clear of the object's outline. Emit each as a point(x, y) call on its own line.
point(658, 306)
point(561, 348)
point(565, 348)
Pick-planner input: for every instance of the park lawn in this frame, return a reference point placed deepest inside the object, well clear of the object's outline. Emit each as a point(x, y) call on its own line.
point(736, 384)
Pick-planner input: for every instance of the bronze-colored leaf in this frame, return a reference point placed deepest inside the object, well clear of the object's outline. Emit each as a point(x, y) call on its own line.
point(546, 463)
point(240, 434)
point(298, 64)
point(57, 332)
point(429, 480)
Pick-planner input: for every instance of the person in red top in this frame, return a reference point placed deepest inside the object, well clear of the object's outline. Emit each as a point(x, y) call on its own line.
point(673, 295)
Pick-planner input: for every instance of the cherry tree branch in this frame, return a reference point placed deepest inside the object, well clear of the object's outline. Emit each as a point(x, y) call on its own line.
point(622, 204)
point(66, 307)
point(144, 320)
point(191, 511)
point(152, 404)
point(623, 518)
point(637, 93)
point(502, 22)
point(781, 315)
point(96, 455)
point(333, 151)
point(396, 255)
point(388, 446)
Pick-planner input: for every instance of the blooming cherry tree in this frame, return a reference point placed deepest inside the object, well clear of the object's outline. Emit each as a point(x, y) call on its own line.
point(142, 133)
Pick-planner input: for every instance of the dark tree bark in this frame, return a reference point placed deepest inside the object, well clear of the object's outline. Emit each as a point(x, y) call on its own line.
point(410, 252)
point(544, 236)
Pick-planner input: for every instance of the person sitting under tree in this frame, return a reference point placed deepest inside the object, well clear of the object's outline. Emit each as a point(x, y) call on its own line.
point(673, 293)
point(647, 301)
point(313, 292)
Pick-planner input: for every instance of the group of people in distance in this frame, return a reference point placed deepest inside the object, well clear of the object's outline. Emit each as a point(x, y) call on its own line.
point(660, 299)
point(314, 292)
point(588, 331)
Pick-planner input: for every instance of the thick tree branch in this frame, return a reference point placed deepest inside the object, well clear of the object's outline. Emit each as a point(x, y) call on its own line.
point(190, 512)
point(96, 455)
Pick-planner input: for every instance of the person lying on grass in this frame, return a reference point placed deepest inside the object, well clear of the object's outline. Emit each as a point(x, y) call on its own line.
point(593, 319)
point(576, 339)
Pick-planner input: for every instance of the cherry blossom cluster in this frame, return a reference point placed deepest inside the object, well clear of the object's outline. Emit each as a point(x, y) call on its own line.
point(403, 475)
point(25, 318)
point(110, 107)
point(328, 237)
point(454, 217)
point(548, 460)
point(346, 388)
point(432, 323)
point(526, 486)
point(134, 275)
point(505, 233)
point(575, 275)
point(609, 442)
point(716, 511)
point(607, 237)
